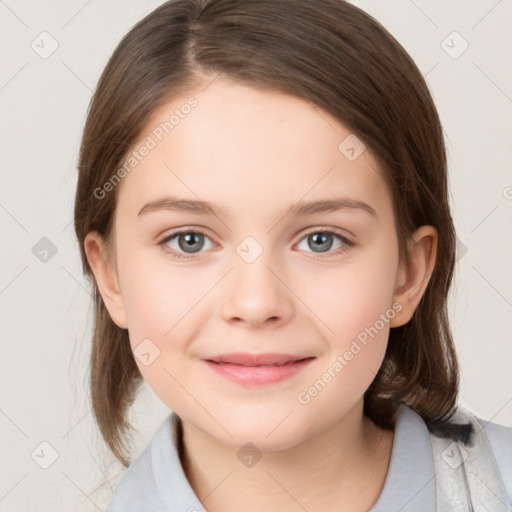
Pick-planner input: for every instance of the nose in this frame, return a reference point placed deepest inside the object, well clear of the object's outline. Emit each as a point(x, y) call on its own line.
point(256, 294)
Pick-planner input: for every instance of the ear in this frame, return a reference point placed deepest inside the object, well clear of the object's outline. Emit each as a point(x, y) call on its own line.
point(411, 282)
point(103, 267)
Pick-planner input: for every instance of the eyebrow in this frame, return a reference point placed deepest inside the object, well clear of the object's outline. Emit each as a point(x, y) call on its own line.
point(174, 203)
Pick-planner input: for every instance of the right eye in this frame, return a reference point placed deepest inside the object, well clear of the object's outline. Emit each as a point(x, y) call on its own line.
point(185, 243)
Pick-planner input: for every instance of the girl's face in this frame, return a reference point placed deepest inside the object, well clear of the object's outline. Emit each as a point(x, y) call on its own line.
point(251, 273)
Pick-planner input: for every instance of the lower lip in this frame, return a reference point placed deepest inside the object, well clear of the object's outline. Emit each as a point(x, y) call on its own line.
point(258, 375)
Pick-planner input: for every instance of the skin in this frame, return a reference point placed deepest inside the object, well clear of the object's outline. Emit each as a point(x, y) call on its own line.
point(257, 153)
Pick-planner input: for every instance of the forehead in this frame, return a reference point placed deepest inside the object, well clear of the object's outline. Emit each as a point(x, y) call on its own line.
point(248, 150)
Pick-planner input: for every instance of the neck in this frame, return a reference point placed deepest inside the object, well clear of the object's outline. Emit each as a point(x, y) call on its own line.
point(343, 467)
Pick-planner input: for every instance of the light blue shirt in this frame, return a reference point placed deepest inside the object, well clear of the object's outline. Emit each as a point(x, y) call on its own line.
point(156, 482)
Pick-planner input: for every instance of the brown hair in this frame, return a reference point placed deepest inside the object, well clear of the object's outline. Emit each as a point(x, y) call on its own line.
point(326, 52)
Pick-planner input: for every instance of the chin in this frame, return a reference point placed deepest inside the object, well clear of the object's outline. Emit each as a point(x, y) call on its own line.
point(264, 444)
point(269, 433)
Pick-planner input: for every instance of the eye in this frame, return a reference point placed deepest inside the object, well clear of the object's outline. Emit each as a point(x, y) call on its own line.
point(322, 242)
point(185, 244)
point(188, 241)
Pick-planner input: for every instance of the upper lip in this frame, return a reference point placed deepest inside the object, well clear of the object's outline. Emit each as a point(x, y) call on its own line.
point(246, 359)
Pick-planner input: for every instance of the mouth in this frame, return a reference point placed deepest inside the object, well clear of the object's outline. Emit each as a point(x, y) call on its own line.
point(257, 369)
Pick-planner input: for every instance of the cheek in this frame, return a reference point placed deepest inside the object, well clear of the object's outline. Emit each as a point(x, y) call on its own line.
point(160, 311)
point(157, 293)
point(354, 307)
point(352, 297)
point(162, 304)
point(358, 316)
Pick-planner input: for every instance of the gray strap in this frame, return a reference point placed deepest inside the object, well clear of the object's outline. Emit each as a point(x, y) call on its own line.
point(468, 477)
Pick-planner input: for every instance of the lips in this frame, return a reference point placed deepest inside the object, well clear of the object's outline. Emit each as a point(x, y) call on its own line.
point(257, 369)
point(245, 359)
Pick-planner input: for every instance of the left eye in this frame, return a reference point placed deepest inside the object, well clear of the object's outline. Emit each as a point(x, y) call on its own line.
point(322, 241)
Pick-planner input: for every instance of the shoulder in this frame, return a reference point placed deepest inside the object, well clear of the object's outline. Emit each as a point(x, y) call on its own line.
point(481, 462)
point(136, 490)
point(156, 481)
point(500, 439)
point(486, 457)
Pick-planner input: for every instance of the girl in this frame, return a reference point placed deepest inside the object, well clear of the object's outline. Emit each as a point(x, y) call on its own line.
point(304, 346)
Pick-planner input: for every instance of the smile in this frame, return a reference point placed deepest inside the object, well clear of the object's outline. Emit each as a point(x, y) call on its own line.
point(257, 369)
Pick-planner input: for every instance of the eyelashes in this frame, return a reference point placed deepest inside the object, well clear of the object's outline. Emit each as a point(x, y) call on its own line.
point(346, 243)
point(177, 234)
point(327, 235)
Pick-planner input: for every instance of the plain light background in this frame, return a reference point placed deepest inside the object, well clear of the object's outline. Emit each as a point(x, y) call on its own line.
point(46, 317)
